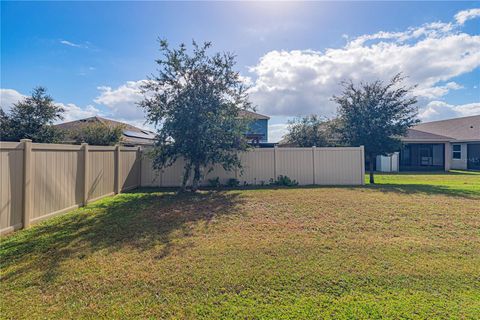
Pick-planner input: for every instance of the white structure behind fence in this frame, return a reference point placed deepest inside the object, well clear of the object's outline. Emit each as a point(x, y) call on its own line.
point(39, 181)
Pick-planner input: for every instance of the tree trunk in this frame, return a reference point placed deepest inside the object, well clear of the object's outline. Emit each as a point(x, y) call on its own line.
point(186, 175)
point(371, 158)
point(196, 177)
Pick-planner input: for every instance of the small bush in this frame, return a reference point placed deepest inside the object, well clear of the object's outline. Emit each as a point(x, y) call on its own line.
point(284, 181)
point(233, 183)
point(214, 183)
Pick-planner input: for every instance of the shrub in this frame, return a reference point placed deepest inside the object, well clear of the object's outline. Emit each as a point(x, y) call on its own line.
point(233, 183)
point(284, 181)
point(214, 183)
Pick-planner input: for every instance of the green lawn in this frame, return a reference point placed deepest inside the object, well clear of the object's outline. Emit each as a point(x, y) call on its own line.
point(408, 247)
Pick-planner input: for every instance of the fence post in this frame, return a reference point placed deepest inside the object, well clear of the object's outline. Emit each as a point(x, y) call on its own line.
point(313, 162)
point(85, 173)
point(139, 159)
point(27, 182)
point(118, 186)
point(362, 157)
point(275, 148)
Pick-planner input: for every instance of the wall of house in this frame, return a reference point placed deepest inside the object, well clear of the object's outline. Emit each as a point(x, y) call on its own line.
point(259, 126)
point(458, 164)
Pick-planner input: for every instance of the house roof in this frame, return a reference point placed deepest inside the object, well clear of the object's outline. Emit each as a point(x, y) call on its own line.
point(459, 129)
point(253, 115)
point(417, 135)
point(131, 134)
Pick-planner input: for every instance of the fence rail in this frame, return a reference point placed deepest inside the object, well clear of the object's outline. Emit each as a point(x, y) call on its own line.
point(39, 181)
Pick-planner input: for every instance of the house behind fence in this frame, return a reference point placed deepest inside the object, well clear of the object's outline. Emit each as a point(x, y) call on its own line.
point(39, 181)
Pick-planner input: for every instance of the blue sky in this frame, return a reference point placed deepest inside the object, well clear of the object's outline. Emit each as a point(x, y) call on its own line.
point(92, 55)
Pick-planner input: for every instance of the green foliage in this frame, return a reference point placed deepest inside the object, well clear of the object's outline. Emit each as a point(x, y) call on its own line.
point(195, 101)
point(32, 118)
point(375, 115)
point(214, 183)
point(284, 181)
point(233, 183)
point(308, 131)
point(99, 134)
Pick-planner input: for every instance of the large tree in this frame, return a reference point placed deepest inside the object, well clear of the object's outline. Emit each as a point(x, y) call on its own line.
point(376, 114)
point(32, 118)
point(308, 131)
point(194, 101)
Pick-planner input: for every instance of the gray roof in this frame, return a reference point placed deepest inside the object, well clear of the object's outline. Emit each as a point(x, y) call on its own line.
point(457, 129)
point(131, 134)
point(415, 135)
point(252, 115)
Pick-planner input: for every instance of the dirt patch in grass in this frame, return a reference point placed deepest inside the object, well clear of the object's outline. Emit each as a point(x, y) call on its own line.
point(388, 251)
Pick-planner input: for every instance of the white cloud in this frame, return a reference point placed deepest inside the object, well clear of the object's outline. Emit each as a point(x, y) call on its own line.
point(122, 100)
point(299, 82)
point(439, 110)
point(72, 112)
point(72, 44)
point(465, 15)
point(8, 97)
point(277, 131)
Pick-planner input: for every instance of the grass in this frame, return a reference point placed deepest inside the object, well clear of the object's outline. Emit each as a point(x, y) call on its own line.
point(408, 247)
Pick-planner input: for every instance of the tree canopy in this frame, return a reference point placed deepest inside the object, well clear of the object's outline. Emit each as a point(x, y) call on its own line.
point(308, 131)
point(32, 118)
point(376, 115)
point(99, 134)
point(194, 101)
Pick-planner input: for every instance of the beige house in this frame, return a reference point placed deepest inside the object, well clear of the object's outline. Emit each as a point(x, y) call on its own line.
point(438, 145)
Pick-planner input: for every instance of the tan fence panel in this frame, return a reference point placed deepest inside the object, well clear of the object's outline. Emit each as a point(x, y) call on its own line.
point(101, 172)
point(296, 163)
point(150, 177)
point(11, 182)
point(339, 166)
point(217, 171)
point(172, 176)
point(57, 179)
point(129, 171)
point(54, 178)
point(324, 166)
point(257, 167)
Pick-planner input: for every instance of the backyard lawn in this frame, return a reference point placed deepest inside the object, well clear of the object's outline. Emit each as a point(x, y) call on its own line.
point(408, 247)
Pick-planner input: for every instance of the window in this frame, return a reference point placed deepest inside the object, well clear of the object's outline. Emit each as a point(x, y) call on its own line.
point(457, 151)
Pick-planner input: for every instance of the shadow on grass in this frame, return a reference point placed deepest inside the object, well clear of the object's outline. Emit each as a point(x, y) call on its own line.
point(433, 173)
point(139, 220)
point(411, 189)
point(400, 188)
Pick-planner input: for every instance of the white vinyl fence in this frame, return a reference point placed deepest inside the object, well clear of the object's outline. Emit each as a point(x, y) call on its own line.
point(39, 181)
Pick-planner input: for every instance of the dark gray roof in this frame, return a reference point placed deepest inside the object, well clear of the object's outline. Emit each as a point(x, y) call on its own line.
point(459, 129)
